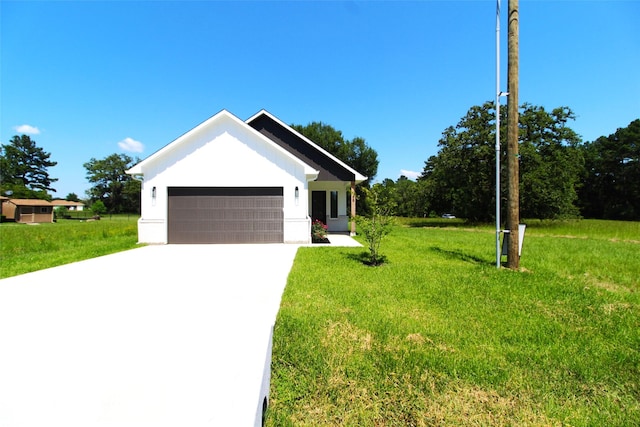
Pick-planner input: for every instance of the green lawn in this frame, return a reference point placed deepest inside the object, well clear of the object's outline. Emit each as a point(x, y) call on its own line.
point(25, 248)
point(439, 336)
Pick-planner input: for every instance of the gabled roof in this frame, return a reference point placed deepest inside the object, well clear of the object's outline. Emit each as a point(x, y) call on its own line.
point(30, 202)
point(218, 119)
point(331, 168)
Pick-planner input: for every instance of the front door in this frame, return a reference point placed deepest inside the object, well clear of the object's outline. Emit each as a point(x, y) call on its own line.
point(319, 206)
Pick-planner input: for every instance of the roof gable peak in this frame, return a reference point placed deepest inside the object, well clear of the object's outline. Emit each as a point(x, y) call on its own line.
point(358, 176)
point(217, 119)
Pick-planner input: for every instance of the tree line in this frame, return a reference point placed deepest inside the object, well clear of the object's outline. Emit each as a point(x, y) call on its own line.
point(560, 176)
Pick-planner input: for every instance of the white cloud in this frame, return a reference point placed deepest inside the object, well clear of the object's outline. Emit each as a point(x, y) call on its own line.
point(27, 129)
point(410, 174)
point(131, 145)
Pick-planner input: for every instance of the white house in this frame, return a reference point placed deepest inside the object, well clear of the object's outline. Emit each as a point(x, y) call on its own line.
point(72, 206)
point(234, 181)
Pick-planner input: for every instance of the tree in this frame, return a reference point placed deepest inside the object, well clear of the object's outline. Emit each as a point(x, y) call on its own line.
point(325, 136)
point(23, 169)
point(461, 178)
point(409, 197)
point(118, 191)
point(611, 187)
point(378, 223)
point(72, 197)
point(551, 163)
point(355, 153)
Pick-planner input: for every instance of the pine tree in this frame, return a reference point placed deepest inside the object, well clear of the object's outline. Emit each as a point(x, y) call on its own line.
point(24, 169)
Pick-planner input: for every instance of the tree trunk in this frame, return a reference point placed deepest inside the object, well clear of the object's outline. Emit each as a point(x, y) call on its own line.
point(513, 158)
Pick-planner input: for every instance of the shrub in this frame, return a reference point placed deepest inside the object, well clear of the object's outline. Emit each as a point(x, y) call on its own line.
point(98, 207)
point(318, 231)
point(61, 212)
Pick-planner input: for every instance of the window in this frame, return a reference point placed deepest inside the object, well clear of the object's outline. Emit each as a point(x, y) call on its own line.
point(44, 210)
point(334, 204)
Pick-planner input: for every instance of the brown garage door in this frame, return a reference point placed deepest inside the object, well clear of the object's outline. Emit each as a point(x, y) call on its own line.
point(225, 215)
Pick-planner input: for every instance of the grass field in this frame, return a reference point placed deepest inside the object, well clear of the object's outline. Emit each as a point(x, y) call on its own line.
point(439, 336)
point(25, 248)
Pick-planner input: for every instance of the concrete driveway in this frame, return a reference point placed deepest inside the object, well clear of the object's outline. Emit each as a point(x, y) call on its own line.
point(171, 335)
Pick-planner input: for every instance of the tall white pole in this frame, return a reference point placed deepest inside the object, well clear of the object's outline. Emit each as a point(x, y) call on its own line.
point(498, 255)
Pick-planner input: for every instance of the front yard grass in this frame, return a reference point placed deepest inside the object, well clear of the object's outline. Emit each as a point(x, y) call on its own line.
point(26, 248)
point(439, 336)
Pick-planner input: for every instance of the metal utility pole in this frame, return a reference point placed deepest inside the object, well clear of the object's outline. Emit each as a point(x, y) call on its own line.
point(513, 157)
point(499, 93)
point(498, 134)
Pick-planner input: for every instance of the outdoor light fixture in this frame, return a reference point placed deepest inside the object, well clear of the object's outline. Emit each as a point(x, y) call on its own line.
point(297, 195)
point(153, 195)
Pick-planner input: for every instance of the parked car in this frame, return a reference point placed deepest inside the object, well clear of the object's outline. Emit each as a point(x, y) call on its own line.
point(448, 216)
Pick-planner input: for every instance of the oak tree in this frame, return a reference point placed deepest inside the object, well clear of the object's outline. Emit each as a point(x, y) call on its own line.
point(118, 191)
point(461, 177)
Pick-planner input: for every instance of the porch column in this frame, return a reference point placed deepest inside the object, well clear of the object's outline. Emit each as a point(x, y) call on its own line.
point(353, 208)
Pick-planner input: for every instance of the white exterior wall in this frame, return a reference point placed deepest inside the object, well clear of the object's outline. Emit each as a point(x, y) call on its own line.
point(297, 228)
point(223, 155)
point(341, 223)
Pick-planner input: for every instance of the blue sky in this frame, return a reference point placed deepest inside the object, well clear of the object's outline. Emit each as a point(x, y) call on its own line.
point(87, 79)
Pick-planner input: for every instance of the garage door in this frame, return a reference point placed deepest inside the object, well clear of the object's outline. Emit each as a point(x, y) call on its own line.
point(225, 215)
